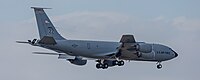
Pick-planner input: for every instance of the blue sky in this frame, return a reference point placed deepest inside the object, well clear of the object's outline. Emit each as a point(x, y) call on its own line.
point(141, 8)
point(175, 23)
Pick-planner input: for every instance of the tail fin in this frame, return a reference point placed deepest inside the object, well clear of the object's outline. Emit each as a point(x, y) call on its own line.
point(44, 24)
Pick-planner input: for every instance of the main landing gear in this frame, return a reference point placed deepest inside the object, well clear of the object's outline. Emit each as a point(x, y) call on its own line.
point(119, 63)
point(104, 64)
point(159, 65)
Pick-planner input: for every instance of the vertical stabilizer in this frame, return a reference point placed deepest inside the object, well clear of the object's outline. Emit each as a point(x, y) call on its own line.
point(44, 24)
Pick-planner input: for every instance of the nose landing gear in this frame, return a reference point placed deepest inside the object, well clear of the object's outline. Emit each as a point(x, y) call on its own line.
point(159, 65)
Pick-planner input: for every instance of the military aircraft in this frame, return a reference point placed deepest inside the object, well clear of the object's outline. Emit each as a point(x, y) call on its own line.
point(106, 54)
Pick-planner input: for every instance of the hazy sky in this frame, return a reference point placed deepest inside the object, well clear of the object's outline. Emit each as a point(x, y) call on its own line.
point(175, 23)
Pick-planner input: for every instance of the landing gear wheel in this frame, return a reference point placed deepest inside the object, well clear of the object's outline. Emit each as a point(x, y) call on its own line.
point(98, 66)
point(105, 66)
point(120, 63)
point(159, 66)
point(115, 63)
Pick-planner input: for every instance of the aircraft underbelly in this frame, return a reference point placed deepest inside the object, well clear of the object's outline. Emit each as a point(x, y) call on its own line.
point(88, 48)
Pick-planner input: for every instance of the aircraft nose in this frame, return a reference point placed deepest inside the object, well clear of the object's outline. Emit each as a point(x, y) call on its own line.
point(175, 53)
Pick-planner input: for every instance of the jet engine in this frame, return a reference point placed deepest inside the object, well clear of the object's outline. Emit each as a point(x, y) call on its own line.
point(77, 61)
point(142, 47)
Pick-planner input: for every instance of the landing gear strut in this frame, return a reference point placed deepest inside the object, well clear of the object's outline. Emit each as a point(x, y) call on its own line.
point(101, 64)
point(138, 54)
point(159, 66)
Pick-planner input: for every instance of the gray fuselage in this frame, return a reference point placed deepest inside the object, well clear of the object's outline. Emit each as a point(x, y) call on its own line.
point(99, 50)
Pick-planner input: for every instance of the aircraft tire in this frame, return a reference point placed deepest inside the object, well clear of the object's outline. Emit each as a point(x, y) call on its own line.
point(105, 66)
point(159, 66)
point(115, 63)
point(120, 63)
point(98, 66)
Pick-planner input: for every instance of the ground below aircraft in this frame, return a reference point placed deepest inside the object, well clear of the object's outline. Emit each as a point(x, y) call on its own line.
point(106, 54)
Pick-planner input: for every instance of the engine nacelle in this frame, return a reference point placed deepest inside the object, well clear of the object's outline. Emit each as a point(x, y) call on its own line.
point(143, 47)
point(79, 62)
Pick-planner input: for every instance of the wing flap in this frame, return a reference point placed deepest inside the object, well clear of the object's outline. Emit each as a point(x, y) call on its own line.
point(109, 54)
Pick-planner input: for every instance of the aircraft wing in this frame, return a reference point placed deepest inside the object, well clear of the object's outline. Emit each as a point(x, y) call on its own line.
point(128, 39)
point(122, 52)
point(62, 55)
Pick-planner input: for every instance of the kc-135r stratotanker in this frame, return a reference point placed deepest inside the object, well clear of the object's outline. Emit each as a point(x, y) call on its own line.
point(105, 53)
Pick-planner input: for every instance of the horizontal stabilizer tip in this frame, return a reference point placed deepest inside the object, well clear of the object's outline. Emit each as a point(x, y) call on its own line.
point(21, 42)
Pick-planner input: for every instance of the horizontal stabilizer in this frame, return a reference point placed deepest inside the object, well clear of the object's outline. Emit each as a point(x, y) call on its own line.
point(45, 53)
point(47, 40)
point(22, 42)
